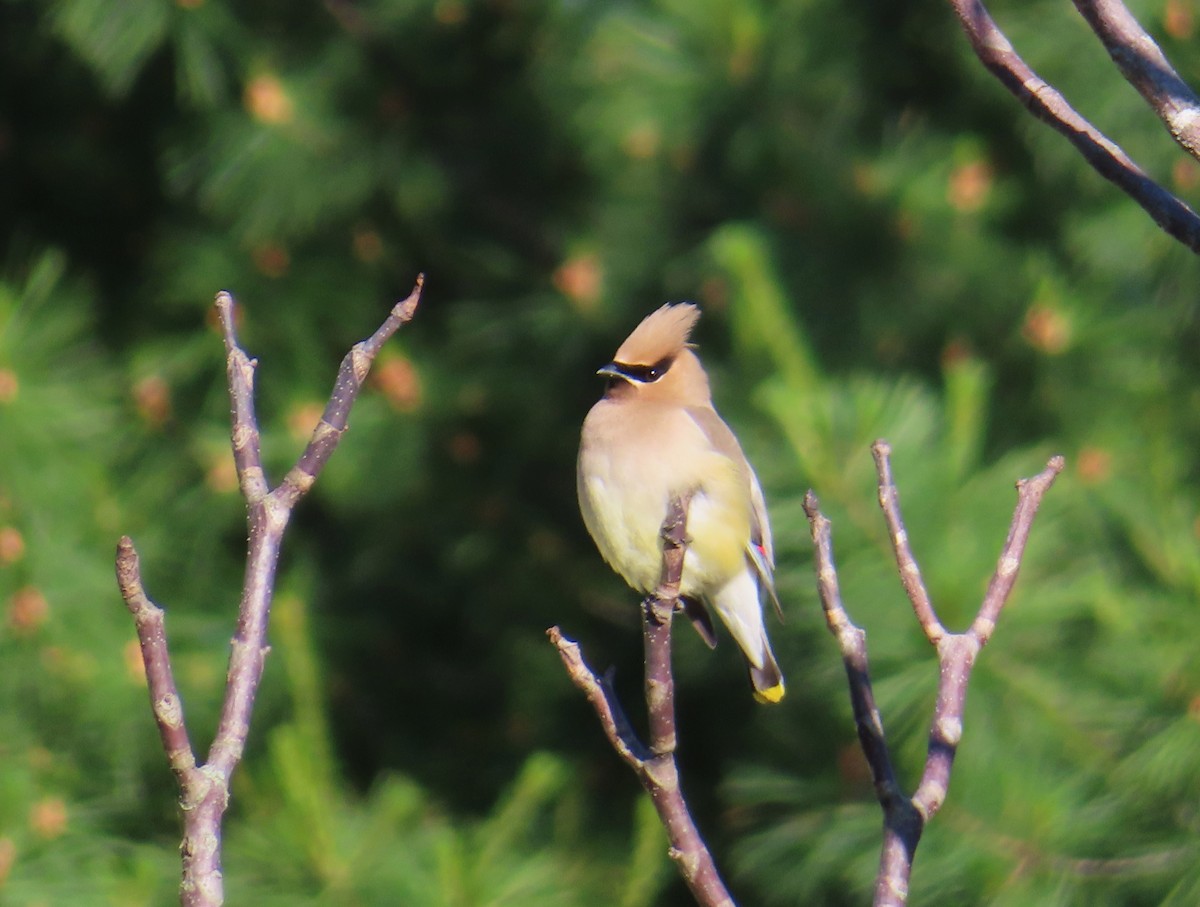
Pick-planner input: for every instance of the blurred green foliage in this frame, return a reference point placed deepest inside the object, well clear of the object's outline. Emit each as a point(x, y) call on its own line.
point(884, 245)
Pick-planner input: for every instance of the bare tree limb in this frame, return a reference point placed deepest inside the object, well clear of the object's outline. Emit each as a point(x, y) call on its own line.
point(599, 692)
point(1029, 499)
point(654, 764)
point(904, 817)
point(1044, 102)
point(910, 573)
point(852, 640)
point(204, 789)
point(1146, 68)
point(164, 695)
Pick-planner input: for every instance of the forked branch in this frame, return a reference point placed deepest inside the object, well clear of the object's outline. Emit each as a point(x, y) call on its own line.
point(654, 764)
point(905, 817)
point(204, 788)
point(1048, 105)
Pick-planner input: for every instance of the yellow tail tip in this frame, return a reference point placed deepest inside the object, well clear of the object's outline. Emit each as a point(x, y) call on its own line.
point(770, 695)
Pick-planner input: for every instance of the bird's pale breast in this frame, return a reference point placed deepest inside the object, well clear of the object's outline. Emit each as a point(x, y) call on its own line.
point(631, 462)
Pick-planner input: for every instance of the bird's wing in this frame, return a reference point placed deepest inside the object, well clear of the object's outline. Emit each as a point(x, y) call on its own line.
point(760, 525)
point(718, 434)
point(761, 549)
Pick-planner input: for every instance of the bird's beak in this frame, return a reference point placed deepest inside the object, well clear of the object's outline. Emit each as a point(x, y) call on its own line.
point(612, 370)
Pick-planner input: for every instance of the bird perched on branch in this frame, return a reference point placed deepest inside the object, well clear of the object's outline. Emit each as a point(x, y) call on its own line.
point(654, 436)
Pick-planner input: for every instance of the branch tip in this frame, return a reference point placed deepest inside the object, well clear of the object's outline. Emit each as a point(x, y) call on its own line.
point(224, 304)
point(129, 572)
point(812, 506)
point(406, 308)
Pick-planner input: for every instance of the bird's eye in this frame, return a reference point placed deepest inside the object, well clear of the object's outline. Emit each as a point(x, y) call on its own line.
point(647, 374)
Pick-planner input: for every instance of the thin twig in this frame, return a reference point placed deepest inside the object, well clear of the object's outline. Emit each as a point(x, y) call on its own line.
point(1146, 68)
point(204, 789)
point(1044, 102)
point(905, 817)
point(164, 699)
point(1029, 498)
point(600, 695)
point(852, 641)
point(910, 573)
point(654, 764)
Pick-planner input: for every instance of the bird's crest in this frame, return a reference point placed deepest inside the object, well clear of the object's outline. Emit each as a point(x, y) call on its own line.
point(662, 335)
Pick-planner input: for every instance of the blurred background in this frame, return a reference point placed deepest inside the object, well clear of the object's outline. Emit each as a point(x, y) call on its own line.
point(884, 244)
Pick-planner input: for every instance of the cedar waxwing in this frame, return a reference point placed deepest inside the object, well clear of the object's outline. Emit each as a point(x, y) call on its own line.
point(655, 435)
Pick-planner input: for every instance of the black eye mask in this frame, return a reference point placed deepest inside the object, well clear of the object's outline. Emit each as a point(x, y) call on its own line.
point(645, 374)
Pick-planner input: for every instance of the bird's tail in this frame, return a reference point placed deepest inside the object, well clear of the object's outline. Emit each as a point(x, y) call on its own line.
point(767, 680)
point(740, 609)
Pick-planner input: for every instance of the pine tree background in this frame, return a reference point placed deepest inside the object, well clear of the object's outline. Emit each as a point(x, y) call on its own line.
point(884, 245)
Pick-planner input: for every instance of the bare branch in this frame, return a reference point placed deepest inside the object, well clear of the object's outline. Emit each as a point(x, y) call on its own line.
point(164, 695)
point(852, 640)
point(201, 802)
point(910, 573)
point(600, 695)
point(655, 764)
point(1029, 499)
point(657, 612)
point(204, 790)
point(1146, 68)
point(240, 369)
point(1044, 102)
point(350, 377)
point(905, 817)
